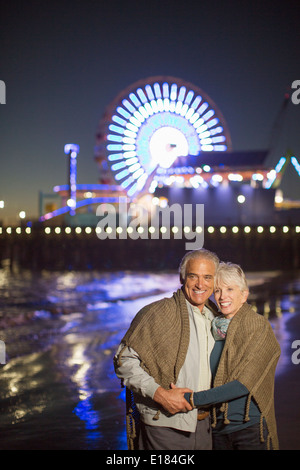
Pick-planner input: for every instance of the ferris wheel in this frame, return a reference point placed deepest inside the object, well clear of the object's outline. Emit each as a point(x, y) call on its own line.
point(154, 128)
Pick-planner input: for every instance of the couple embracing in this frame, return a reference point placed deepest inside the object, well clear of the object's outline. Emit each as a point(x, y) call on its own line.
point(200, 375)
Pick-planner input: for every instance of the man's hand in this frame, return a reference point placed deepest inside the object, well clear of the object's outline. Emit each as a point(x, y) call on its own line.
point(173, 400)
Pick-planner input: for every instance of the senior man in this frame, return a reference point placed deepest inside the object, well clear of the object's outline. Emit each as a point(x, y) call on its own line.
point(169, 343)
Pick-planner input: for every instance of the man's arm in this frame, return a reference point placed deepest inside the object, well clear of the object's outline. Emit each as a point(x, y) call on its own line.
point(139, 381)
point(132, 374)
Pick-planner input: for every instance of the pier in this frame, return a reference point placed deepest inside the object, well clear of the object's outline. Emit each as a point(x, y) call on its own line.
point(79, 248)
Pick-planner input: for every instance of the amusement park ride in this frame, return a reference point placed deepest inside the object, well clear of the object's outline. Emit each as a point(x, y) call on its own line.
point(165, 139)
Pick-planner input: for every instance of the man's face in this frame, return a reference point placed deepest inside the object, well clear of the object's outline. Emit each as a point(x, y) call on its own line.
point(199, 281)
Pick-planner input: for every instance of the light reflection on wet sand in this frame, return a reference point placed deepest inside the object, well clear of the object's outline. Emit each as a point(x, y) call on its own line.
point(58, 389)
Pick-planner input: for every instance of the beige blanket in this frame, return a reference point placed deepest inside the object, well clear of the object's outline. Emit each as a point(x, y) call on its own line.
point(250, 355)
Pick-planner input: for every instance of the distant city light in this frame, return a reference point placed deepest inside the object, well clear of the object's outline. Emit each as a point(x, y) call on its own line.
point(280, 164)
point(206, 168)
point(217, 178)
point(71, 203)
point(241, 199)
point(22, 214)
point(71, 148)
point(271, 178)
point(235, 177)
point(1, 204)
point(278, 196)
point(155, 201)
point(257, 177)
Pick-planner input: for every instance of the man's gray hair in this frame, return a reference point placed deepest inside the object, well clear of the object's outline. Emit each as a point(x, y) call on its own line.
point(202, 253)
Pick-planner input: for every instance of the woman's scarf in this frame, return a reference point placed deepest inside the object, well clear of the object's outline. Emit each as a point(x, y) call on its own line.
point(219, 328)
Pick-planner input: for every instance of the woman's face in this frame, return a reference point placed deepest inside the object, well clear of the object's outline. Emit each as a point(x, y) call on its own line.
point(230, 298)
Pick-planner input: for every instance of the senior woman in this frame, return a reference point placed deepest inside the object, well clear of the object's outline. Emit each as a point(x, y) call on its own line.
point(243, 364)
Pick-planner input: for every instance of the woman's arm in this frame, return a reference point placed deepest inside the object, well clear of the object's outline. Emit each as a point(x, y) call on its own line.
point(226, 392)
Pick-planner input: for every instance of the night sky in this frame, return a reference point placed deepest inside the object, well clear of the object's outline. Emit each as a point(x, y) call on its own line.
point(64, 62)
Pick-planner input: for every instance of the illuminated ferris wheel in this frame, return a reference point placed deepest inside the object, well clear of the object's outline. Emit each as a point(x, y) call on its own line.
point(154, 128)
